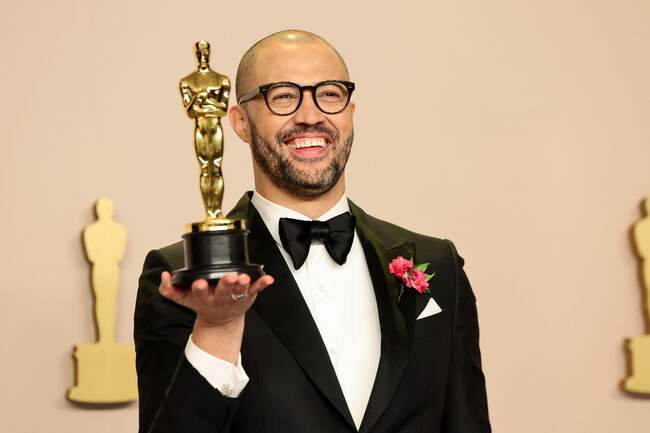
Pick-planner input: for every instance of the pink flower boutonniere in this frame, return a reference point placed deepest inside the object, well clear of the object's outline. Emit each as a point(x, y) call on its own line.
point(411, 275)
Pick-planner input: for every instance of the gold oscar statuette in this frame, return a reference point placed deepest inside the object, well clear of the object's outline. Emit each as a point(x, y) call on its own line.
point(217, 245)
point(638, 380)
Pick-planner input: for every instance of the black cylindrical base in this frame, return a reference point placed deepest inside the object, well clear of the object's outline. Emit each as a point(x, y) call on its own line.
point(213, 254)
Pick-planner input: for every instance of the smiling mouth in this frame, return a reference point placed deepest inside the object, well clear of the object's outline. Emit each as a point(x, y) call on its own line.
point(306, 142)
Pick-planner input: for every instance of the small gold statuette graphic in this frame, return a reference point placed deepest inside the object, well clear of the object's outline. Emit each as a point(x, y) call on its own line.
point(639, 347)
point(215, 246)
point(105, 370)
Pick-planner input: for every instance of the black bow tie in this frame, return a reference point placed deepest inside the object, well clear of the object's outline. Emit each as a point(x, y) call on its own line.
point(336, 234)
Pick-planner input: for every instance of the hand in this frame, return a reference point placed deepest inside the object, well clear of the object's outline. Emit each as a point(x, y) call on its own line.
point(219, 324)
point(214, 305)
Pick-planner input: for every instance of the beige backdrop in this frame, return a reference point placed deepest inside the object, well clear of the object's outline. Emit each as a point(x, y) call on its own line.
point(519, 129)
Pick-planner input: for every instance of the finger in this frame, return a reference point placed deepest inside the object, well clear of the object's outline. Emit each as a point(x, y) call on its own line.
point(200, 284)
point(243, 280)
point(240, 288)
point(260, 284)
point(200, 288)
point(227, 283)
point(168, 290)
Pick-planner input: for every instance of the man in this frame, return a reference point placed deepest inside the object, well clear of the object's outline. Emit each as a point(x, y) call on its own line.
point(330, 340)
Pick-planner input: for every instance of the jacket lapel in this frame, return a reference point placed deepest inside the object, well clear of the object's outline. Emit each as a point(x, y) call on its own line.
point(396, 319)
point(283, 309)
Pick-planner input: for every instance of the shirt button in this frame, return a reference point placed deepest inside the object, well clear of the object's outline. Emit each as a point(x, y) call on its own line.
point(323, 289)
point(333, 350)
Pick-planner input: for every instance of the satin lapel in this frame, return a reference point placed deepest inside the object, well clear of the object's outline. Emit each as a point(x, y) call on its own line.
point(283, 309)
point(396, 320)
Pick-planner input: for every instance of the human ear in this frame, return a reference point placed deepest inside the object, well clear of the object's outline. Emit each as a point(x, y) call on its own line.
point(239, 122)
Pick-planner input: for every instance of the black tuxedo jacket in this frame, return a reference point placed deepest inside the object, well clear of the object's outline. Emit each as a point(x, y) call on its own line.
point(429, 377)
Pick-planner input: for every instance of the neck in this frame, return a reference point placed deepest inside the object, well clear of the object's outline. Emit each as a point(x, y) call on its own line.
point(310, 207)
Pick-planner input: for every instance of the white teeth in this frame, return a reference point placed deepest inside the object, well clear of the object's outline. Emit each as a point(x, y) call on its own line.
point(308, 143)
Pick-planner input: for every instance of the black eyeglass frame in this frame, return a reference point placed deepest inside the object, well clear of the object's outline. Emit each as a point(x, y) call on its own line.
point(263, 89)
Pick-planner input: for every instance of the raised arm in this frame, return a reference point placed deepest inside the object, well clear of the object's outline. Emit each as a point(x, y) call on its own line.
point(174, 396)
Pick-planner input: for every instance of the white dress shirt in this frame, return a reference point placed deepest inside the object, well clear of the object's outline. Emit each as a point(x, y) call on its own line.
point(342, 303)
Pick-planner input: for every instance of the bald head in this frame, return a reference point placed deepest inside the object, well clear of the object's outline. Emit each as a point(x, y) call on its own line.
point(246, 73)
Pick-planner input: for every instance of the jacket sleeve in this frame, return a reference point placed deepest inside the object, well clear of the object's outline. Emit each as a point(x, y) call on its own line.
point(465, 409)
point(173, 396)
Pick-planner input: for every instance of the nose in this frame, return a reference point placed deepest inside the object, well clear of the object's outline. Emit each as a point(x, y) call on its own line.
point(308, 113)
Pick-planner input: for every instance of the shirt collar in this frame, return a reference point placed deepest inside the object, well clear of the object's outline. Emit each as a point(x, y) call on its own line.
point(272, 212)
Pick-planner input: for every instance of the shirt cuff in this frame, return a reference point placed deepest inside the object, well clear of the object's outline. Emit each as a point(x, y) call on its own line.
point(229, 379)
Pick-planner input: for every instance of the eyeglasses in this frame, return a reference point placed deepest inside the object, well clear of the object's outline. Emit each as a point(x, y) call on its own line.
point(284, 98)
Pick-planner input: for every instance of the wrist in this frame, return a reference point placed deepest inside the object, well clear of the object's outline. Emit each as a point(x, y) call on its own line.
point(222, 340)
point(233, 326)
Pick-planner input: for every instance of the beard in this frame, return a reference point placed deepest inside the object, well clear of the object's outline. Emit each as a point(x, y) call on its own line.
point(280, 165)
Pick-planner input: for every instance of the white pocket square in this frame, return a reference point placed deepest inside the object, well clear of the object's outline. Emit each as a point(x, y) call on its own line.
point(431, 309)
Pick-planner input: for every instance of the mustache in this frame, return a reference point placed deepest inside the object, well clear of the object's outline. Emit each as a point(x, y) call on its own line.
point(333, 136)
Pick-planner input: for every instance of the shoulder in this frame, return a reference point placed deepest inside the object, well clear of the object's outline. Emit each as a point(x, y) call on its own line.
point(189, 80)
point(165, 258)
point(222, 79)
point(392, 235)
point(174, 254)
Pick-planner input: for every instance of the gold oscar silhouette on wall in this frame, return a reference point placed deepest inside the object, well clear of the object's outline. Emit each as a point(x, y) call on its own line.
point(638, 379)
point(105, 369)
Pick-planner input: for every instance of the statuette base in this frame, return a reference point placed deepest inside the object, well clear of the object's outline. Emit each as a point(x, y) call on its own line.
point(639, 352)
point(105, 373)
point(213, 254)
